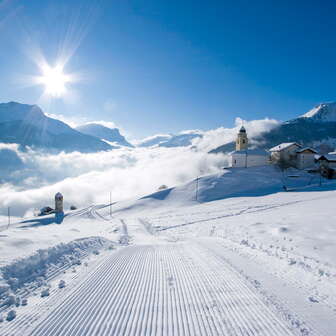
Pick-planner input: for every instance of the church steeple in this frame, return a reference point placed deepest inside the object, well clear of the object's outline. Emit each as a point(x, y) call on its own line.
point(242, 140)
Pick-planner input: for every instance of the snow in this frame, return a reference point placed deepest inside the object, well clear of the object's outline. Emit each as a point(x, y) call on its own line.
point(182, 139)
point(324, 112)
point(283, 146)
point(330, 157)
point(225, 254)
point(110, 135)
point(153, 140)
point(27, 125)
point(255, 151)
point(306, 148)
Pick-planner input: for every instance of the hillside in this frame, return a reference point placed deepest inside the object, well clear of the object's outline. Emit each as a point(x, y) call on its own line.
point(232, 182)
point(325, 112)
point(182, 139)
point(245, 256)
point(105, 133)
point(27, 125)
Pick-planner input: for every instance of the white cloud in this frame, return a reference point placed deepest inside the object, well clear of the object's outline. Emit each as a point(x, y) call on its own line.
point(128, 173)
point(88, 178)
point(109, 124)
point(220, 136)
point(191, 132)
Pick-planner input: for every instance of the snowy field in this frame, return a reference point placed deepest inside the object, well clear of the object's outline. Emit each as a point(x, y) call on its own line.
point(227, 254)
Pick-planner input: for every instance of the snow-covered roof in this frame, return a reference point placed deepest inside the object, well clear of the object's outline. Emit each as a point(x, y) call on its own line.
point(259, 152)
point(283, 146)
point(306, 148)
point(328, 157)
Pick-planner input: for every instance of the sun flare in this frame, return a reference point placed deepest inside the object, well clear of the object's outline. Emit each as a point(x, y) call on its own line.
point(54, 80)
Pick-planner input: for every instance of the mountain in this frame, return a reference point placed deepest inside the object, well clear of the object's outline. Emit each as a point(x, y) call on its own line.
point(325, 112)
point(105, 133)
point(27, 125)
point(182, 139)
point(315, 128)
point(154, 140)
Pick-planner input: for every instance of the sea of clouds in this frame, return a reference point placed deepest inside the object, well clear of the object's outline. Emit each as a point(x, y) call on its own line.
point(29, 179)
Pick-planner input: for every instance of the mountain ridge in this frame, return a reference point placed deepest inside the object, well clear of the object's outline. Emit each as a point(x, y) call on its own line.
point(105, 133)
point(27, 125)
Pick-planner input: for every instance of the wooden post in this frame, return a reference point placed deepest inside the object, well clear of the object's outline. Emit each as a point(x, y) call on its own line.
point(8, 217)
point(110, 204)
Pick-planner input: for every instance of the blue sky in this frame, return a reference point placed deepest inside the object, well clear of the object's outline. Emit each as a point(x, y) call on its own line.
point(165, 66)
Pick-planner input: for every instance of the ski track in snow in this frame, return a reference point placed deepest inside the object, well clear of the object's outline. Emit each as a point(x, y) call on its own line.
point(160, 289)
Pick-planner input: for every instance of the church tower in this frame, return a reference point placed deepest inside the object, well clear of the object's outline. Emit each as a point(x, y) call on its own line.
point(242, 140)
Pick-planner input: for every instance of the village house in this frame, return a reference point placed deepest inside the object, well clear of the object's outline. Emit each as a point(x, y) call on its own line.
point(285, 154)
point(305, 158)
point(327, 164)
point(327, 160)
point(244, 157)
point(292, 154)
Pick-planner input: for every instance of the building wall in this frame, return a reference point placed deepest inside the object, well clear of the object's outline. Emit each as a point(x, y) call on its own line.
point(242, 141)
point(287, 155)
point(241, 160)
point(328, 164)
point(305, 160)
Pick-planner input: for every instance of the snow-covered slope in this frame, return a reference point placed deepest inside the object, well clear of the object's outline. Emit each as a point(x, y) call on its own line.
point(240, 257)
point(104, 133)
point(154, 140)
point(325, 112)
point(235, 182)
point(183, 139)
point(27, 125)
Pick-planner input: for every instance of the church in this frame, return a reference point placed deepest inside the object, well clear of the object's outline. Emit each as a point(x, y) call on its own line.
point(244, 157)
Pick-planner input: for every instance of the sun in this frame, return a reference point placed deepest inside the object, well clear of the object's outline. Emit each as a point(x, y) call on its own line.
point(54, 80)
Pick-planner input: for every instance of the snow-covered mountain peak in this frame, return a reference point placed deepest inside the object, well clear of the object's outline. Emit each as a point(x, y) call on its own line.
point(15, 111)
point(27, 125)
point(322, 112)
point(103, 132)
point(182, 139)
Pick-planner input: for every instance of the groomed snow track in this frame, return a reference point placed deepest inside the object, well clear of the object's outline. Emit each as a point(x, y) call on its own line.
point(163, 289)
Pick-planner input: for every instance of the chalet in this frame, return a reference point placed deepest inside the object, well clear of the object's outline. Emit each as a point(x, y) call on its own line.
point(327, 164)
point(327, 160)
point(285, 153)
point(292, 154)
point(244, 157)
point(305, 158)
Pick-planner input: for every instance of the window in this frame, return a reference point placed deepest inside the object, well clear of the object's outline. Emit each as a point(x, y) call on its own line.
point(243, 140)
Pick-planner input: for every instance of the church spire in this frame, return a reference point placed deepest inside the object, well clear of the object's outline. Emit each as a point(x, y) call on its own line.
point(242, 140)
